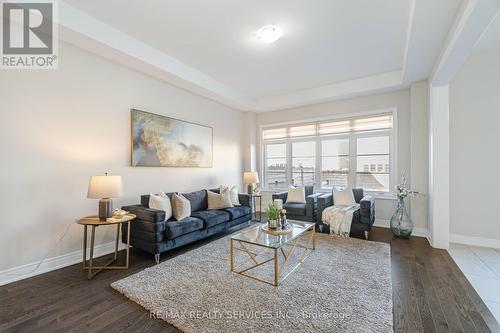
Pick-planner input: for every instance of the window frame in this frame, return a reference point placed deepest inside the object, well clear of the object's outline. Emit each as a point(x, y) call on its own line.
point(352, 136)
point(264, 162)
point(303, 139)
point(320, 161)
point(392, 160)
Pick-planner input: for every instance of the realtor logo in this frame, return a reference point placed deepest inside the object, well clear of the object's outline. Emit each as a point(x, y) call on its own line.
point(29, 38)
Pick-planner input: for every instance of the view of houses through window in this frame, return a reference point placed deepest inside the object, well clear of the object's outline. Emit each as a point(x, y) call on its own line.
point(329, 154)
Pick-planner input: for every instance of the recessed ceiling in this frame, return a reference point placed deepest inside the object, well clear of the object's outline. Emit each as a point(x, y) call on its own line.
point(491, 37)
point(325, 43)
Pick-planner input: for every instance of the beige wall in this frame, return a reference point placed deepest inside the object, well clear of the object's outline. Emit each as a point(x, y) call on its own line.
point(60, 126)
point(474, 154)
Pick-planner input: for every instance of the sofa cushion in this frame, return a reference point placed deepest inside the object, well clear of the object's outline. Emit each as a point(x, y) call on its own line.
point(233, 193)
point(211, 217)
point(308, 189)
point(296, 195)
point(145, 200)
point(161, 201)
point(295, 208)
point(219, 200)
point(358, 194)
point(237, 212)
point(181, 207)
point(175, 229)
point(344, 197)
point(198, 200)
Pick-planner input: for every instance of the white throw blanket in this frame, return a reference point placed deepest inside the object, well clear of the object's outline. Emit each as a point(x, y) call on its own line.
point(339, 218)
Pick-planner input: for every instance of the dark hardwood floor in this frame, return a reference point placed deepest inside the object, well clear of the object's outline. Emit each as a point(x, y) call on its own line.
point(430, 294)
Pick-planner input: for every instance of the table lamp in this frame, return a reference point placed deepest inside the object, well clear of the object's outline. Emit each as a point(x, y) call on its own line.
point(250, 178)
point(104, 188)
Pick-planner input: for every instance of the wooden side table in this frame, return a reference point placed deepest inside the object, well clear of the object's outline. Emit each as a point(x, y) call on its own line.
point(254, 196)
point(94, 222)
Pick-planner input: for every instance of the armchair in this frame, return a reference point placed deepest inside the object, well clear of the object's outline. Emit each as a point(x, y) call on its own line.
point(362, 219)
point(298, 211)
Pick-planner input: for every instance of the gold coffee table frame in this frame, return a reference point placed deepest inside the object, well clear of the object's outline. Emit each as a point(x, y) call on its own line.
point(241, 245)
point(94, 222)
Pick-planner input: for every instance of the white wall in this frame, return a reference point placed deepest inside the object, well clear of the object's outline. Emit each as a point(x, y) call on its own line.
point(439, 166)
point(58, 127)
point(474, 154)
point(249, 141)
point(419, 148)
point(403, 101)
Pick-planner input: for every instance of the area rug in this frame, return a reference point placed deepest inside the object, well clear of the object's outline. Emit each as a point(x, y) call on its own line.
point(343, 286)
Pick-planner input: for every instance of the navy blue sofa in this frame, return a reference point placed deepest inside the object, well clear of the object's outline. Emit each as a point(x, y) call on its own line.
point(150, 233)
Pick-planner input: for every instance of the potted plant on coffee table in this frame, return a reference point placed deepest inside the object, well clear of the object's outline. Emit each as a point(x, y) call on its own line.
point(272, 215)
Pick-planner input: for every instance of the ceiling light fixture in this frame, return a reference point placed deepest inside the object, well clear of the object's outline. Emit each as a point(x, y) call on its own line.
point(269, 33)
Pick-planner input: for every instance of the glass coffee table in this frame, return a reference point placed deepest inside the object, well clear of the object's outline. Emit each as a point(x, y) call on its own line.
point(282, 247)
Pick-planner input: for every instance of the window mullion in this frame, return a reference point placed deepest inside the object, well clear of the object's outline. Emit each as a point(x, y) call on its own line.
point(352, 160)
point(264, 166)
point(288, 163)
point(318, 160)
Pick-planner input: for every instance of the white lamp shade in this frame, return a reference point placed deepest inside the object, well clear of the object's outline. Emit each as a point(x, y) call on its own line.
point(105, 187)
point(250, 177)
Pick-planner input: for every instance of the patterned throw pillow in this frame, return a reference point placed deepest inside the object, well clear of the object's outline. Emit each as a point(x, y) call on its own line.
point(219, 201)
point(162, 202)
point(181, 207)
point(233, 193)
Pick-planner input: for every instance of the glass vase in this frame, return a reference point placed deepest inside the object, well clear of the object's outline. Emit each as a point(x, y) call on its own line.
point(401, 224)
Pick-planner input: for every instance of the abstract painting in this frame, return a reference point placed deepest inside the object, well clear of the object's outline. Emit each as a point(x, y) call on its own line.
point(161, 141)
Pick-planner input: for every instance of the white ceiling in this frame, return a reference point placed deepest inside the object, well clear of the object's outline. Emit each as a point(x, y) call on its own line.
point(330, 48)
point(491, 38)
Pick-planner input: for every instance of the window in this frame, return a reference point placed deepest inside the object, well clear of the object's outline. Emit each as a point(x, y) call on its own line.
point(373, 150)
point(334, 163)
point(353, 151)
point(303, 163)
point(275, 165)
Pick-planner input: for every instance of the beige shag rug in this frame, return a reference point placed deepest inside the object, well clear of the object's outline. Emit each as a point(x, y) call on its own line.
point(344, 286)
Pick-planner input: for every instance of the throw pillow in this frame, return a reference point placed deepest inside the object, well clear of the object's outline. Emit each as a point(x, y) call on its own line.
point(343, 197)
point(162, 202)
point(233, 193)
point(296, 195)
point(181, 207)
point(219, 201)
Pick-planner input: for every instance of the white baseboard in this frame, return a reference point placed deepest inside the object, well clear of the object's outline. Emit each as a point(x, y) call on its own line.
point(475, 241)
point(25, 271)
point(419, 232)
